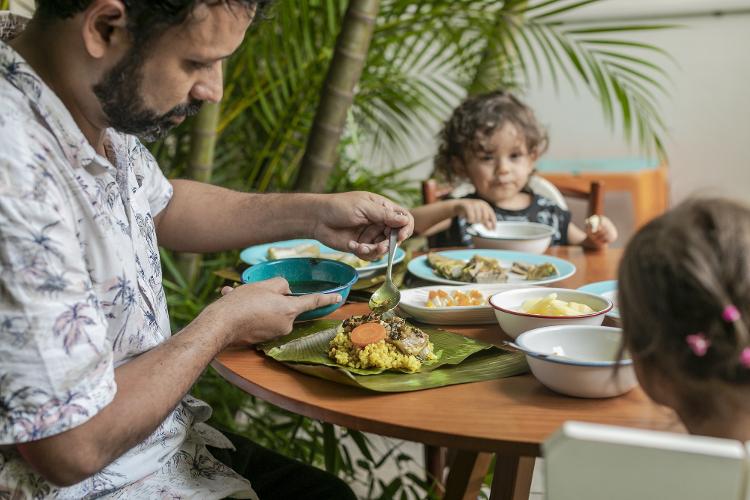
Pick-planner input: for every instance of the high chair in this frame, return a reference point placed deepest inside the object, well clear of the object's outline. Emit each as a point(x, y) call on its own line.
point(593, 462)
point(593, 194)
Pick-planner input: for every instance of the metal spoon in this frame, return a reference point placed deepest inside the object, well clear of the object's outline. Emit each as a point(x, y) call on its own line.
point(387, 296)
point(512, 346)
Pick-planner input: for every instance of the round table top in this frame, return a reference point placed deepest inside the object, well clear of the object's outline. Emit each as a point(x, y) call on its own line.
point(511, 415)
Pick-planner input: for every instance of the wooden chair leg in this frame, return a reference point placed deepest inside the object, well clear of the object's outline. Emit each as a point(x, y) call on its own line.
point(512, 478)
point(467, 472)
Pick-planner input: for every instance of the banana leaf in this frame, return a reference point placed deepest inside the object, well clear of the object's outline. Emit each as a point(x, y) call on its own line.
point(372, 283)
point(460, 360)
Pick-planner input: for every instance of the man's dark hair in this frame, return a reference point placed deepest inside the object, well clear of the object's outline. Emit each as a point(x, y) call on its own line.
point(146, 18)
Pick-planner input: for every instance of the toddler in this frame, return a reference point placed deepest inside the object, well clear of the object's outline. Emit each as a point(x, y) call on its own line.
point(684, 298)
point(494, 140)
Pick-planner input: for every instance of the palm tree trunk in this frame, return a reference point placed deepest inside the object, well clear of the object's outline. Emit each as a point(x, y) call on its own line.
point(337, 95)
point(200, 168)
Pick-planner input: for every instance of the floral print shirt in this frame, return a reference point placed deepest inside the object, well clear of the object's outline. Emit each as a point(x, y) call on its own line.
point(80, 294)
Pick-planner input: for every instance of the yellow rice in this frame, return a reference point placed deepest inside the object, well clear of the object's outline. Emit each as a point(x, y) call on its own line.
point(377, 355)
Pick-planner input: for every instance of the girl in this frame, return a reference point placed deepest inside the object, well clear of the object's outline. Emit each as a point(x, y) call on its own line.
point(493, 140)
point(684, 298)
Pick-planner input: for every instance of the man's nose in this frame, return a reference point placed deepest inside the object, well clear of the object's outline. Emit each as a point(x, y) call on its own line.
point(211, 86)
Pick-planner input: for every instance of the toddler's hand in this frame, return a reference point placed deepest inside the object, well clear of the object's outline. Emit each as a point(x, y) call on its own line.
point(476, 211)
point(600, 230)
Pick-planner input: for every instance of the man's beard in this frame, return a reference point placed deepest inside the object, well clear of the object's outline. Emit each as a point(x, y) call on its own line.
point(121, 101)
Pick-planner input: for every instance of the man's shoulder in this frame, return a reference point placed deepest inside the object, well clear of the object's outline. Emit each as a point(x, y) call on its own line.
point(27, 148)
point(20, 126)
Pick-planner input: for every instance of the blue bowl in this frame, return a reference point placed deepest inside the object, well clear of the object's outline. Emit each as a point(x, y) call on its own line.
point(305, 276)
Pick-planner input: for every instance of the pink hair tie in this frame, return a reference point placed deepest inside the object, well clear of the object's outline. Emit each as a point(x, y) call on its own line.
point(745, 357)
point(699, 344)
point(730, 314)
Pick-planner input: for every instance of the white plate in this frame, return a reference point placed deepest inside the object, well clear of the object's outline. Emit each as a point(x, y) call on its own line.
point(608, 290)
point(413, 305)
point(259, 253)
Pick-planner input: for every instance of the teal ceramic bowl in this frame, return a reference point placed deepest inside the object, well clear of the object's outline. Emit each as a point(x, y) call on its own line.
point(306, 276)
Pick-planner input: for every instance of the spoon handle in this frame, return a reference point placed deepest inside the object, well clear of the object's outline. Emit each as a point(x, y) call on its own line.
point(392, 244)
point(515, 347)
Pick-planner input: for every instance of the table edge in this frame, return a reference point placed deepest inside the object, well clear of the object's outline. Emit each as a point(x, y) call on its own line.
point(515, 448)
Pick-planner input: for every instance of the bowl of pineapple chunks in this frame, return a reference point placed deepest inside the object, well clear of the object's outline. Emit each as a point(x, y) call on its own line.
point(525, 309)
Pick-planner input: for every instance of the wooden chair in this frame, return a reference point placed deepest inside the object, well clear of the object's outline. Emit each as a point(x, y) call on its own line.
point(589, 461)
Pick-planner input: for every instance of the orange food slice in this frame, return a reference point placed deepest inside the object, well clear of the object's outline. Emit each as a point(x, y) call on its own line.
point(367, 333)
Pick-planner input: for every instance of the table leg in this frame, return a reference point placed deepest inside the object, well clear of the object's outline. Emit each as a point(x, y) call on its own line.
point(435, 462)
point(466, 475)
point(512, 477)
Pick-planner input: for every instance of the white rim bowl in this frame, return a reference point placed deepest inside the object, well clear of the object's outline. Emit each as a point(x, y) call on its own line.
point(512, 230)
point(587, 368)
point(531, 237)
point(513, 321)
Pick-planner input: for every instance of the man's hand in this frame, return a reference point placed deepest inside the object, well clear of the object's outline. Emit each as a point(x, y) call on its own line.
point(359, 222)
point(263, 311)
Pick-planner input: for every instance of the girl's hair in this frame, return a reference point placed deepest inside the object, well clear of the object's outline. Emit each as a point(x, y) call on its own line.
point(477, 118)
point(688, 273)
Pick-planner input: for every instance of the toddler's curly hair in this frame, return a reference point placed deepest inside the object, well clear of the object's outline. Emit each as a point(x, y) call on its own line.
point(475, 120)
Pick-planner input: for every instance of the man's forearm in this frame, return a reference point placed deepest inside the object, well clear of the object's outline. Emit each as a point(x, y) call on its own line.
point(204, 218)
point(148, 389)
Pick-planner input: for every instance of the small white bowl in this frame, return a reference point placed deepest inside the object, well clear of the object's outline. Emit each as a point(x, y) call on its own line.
point(513, 321)
point(587, 368)
point(531, 237)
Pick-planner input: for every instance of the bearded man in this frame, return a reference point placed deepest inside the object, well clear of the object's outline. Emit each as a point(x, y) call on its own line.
point(93, 385)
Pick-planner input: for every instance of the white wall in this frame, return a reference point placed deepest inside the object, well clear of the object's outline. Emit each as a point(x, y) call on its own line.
point(707, 114)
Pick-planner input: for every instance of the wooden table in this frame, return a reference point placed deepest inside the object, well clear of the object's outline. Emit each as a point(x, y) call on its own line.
point(510, 417)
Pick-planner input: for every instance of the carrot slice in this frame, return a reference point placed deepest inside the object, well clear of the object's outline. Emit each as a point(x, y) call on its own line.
point(367, 333)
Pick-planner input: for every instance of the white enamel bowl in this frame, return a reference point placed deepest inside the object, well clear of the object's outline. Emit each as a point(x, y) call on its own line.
point(587, 368)
point(530, 237)
point(513, 321)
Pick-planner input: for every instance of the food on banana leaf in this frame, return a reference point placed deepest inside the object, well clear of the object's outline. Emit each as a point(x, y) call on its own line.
point(477, 270)
point(456, 298)
point(313, 250)
point(534, 271)
point(373, 341)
